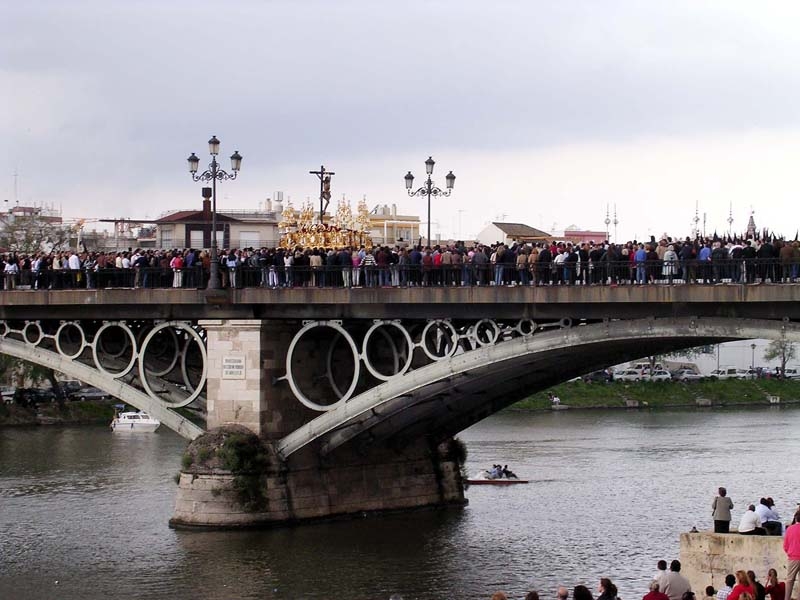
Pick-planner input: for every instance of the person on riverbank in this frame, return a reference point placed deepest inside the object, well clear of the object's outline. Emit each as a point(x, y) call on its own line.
point(581, 592)
point(721, 511)
point(661, 573)
point(776, 590)
point(606, 589)
point(725, 590)
point(655, 592)
point(760, 593)
point(791, 545)
point(750, 523)
point(743, 586)
point(532, 595)
point(675, 584)
point(562, 593)
point(711, 593)
point(770, 519)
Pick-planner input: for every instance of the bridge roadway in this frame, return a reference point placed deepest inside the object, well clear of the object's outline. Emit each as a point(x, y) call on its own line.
point(762, 301)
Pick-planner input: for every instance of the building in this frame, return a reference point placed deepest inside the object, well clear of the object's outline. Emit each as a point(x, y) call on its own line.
point(576, 235)
point(235, 228)
point(510, 233)
point(389, 228)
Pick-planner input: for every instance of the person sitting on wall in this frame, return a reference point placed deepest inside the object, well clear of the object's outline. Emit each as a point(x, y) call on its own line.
point(750, 523)
point(770, 519)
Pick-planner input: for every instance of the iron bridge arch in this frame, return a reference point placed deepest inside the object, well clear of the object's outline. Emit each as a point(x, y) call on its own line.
point(459, 389)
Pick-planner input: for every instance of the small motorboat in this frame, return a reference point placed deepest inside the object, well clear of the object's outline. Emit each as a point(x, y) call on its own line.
point(485, 478)
point(503, 481)
point(134, 422)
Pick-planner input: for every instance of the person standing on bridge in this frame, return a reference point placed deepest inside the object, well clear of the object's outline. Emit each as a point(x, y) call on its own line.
point(721, 511)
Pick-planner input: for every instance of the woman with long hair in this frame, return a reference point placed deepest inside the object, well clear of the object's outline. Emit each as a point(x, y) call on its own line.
point(606, 589)
point(743, 586)
point(775, 589)
point(581, 592)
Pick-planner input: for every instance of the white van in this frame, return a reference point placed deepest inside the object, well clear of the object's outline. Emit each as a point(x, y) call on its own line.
point(792, 372)
point(728, 373)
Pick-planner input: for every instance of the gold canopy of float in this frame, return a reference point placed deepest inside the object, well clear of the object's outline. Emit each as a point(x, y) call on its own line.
point(343, 231)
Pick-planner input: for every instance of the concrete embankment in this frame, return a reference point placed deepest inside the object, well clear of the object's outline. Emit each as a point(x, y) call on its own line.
point(667, 394)
point(72, 413)
point(706, 557)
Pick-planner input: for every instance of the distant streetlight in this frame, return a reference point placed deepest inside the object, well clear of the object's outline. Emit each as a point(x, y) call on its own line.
point(753, 356)
point(429, 189)
point(212, 174)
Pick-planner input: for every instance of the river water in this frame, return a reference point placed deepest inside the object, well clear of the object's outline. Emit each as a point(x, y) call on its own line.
point(83, 513)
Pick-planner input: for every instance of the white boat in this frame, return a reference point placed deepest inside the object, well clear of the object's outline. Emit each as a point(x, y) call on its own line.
point(134, 422)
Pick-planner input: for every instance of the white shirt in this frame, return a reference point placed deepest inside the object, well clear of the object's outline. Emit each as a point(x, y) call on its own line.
point(750, 520)
point(765, 513)
point(74, 262)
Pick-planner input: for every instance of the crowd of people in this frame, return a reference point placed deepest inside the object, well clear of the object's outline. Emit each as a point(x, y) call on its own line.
point(667, 261)
point(670, 584)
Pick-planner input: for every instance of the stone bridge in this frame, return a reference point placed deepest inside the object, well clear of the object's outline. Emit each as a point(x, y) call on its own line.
point(358, 393)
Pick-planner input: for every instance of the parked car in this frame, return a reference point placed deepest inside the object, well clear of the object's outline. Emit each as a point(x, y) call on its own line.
point(728, 373)
point(686, 375)
point(659, 375)
point(628, 375)
point(7, 394)
point(33, 396)
point(72, 386)
point(597, 377)
point(90, 393)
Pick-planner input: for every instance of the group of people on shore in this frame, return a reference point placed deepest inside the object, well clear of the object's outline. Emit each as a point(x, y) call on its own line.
point(669, 260)
point(667, 585)
point(672, 585)
point(758, 519)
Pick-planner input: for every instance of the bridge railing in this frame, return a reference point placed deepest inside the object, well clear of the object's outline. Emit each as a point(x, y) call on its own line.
point(655, 272)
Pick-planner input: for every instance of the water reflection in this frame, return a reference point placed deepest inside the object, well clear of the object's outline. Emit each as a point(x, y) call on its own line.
point(610, 492)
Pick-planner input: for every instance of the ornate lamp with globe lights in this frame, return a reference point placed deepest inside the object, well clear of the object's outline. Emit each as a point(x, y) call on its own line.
point(429, 189)
point(214, 174)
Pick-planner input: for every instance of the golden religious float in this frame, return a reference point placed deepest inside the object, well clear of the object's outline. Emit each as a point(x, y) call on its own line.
point(344, 231)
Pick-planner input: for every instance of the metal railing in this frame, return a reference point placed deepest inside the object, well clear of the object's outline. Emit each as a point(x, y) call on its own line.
point(614, 273)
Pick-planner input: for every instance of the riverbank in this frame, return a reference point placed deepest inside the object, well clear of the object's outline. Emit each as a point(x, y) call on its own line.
point(665, 394)
point(86, 412)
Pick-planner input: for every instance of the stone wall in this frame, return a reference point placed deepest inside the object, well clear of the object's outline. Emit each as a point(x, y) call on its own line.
point(350, 484)
point(706, 557)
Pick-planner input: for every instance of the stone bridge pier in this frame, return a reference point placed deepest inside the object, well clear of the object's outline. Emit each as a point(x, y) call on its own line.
point(272, 377)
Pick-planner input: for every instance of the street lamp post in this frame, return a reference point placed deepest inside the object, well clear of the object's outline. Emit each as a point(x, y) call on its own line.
point(212, 174)
point(429, 189)
point(753, 357)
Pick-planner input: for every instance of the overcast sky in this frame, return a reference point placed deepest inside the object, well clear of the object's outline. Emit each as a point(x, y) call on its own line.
point(547, 112)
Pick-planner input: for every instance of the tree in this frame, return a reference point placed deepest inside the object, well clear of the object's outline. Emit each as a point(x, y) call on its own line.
point(782, 350)
point(33, 233)
point(687, 353)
